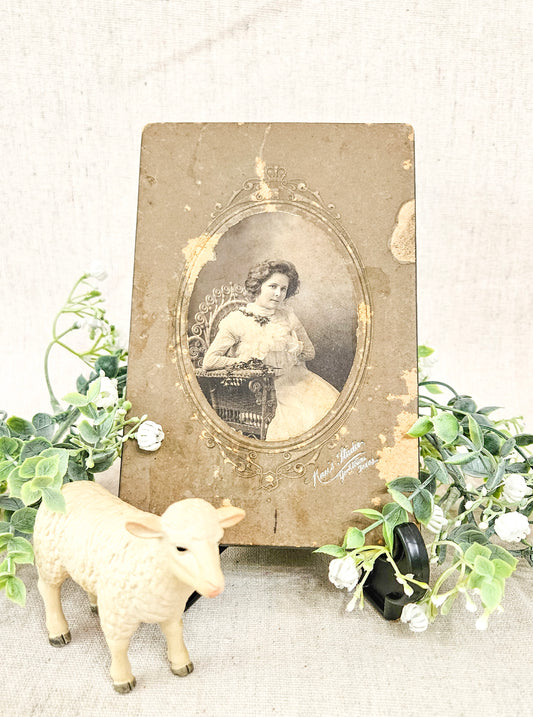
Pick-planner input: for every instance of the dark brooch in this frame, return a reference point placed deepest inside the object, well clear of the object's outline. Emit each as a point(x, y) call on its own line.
point(261, 320)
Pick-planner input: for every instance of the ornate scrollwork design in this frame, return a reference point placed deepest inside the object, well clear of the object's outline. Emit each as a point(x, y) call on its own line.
point(273, 185)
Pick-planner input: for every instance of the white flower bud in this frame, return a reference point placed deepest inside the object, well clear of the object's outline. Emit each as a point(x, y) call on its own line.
point(108, 395)
point(437, 521)
point(515, 488)
point(483, 525)
point(415, 616)
point(482, 622)
point(97, 270)
point(469, 504)
point(438, 600)
point(343, 573)
point(512, 527)
point(483, 490)
point(149, 436)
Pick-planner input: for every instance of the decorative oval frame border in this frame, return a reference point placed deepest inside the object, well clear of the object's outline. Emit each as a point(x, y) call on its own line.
point(271, 192)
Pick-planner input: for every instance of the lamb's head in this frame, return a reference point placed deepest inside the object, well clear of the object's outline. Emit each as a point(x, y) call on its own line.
point(189, 532)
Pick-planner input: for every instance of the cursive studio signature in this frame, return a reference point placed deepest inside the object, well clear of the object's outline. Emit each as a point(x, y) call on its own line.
point(347, 460)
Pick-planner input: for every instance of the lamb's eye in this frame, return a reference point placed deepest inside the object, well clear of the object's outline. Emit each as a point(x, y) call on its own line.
point(180, 549)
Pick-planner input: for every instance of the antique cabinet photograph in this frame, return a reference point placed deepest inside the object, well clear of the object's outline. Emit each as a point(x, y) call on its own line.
point(273, 323)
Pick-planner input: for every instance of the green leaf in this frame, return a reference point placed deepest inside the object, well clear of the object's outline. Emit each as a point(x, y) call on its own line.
point(53, 500)
point(394, 514)
point(476, 550)
point(10, 447)
point(106, 425)
point(23, 520)
point(7, 567)
point(16, 590)
point(446, 427)
point(466, 535)
point(447, 604)
point(75, 471)
point(388, 535)
point(44, 425)
point(34, 448)
point(483, 566)
point(493, 443)
point(15, 483)
point(5, 469)
point(460, 459)
point(88, 433)
point(89, 411)
point(424, 351)
point(496, 478)
point(463, 403)
point(94, 390)
point(423, 506)
point(103, 461)
point(437, 469)
point(521, 467)
point(4, 540)
point(29, 494)
point(508, 446)
point(10, 503)
point(334, 550)
point(476, 435)
point(4, 430)
point(422, 426)
point(401, 500)
point(369, 513)
point(497, 552)
point(487, 409)
point(524, 439)
point(20, 550)
point(4, 526)
point(47, 467)
point(502, 569)
point(491, 594)
point(404, 484)
point(107, 364)
point(20, 427)
point(28, 468)
point(76, 399)
point(354, 538)
point(63, 456)
point(82, 384)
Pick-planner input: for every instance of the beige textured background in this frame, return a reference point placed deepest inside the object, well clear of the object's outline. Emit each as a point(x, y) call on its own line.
point(79, 81)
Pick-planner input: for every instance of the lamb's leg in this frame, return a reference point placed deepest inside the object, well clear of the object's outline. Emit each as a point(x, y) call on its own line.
point(56, 624)
point(121, 674)
point(93, 602)
point(180, 662)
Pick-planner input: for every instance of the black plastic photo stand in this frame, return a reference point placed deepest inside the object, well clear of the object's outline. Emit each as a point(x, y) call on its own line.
point(410, 555)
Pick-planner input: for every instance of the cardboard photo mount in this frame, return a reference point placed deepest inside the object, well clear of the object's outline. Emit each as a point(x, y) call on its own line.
point(298, 413)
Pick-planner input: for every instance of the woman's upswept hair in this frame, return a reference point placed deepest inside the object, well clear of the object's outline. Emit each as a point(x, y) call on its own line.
point(261, 272)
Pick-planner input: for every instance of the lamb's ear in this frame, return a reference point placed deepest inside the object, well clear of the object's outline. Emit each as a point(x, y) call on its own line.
point(229, 515)
point(149, 526)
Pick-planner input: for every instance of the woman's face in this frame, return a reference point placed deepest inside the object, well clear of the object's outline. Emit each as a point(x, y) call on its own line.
point(273, 291)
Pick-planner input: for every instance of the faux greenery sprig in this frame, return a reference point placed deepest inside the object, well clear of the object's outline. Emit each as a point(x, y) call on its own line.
point(473, 492)
point(81, 438)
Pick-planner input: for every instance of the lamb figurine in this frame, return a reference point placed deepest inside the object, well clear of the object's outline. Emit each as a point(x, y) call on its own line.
point(140, 567)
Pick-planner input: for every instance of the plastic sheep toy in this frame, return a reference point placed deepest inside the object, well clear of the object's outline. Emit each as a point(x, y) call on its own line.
point(135, 566)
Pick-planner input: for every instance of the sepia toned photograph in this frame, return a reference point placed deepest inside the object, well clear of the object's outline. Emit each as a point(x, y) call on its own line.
point(273, 320)
point(272, 326)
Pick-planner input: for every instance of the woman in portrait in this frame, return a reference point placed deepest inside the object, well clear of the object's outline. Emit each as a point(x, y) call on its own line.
point(268, 329)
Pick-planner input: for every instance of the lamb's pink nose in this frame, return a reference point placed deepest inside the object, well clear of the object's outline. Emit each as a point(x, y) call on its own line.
point(215, 590)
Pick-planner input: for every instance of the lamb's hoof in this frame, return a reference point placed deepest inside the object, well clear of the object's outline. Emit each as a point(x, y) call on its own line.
point(60, 640)
point(183, 671)
point(94, 609)
point(124, 687)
